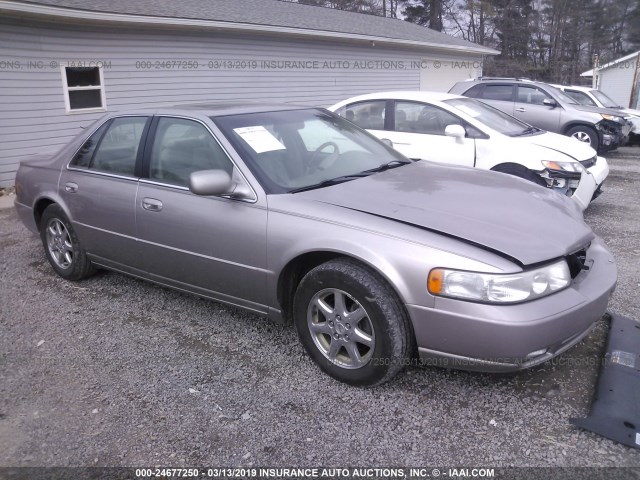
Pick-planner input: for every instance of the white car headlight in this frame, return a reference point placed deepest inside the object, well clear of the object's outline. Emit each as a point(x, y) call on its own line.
point(499, 288)
point(563, 166)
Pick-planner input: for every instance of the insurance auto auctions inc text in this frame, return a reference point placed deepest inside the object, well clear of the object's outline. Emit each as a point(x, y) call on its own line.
point(382, 473)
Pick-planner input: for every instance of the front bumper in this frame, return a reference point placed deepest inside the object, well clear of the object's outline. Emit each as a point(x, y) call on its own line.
point(499, 338)
point(600, 170)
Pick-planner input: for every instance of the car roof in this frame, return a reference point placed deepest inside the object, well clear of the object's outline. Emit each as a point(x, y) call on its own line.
point(416, 95)
point(576, 87)
point(217, 109)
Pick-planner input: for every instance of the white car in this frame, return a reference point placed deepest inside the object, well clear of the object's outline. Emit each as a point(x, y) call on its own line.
point(595, 98)
point(457, 130)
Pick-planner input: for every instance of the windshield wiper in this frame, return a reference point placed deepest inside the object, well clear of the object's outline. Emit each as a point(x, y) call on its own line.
point(353, 176)
point(527, 131)
point(328, 183)
point(386, 166)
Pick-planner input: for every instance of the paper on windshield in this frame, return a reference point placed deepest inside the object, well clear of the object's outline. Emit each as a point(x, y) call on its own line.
point(259, 138)
point(468, 110)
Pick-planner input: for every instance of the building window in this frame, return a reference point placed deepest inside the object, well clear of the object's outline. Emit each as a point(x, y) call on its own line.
point(83, 89)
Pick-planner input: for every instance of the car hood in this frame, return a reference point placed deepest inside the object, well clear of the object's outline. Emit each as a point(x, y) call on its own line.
point(495, 211)
point(630, 111)
point(560, 143)
point(606, 111)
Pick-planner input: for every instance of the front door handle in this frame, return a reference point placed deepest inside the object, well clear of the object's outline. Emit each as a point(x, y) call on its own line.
point(151, 204)
point(71, 187)
point(521, 109)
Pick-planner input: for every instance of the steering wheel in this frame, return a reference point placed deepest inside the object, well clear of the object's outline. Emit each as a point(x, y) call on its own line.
point(319, 163)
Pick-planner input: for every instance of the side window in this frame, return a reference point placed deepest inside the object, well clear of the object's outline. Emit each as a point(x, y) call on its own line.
point(118, 149)
point(531, 95)
point(412, 117)
point(366, 114)
point(498, 92)
point(475, 91)
point(83, 157)
point(181, 147)
point(581, 97)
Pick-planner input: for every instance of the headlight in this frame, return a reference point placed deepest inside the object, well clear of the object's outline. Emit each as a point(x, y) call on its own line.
point(499, 288)
point(563, 166)
point(613, 118)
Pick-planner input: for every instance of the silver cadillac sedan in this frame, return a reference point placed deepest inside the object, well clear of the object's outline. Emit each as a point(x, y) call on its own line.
point(299, 215)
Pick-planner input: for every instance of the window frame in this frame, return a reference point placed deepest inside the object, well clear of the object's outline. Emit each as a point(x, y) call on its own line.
point(151, 140)
point(145, 166)
point(465, 124)
point(388, 122)
point(571, 92)
point(139, 157)
point(66, 89)
point(485, 86)
point(546, 94)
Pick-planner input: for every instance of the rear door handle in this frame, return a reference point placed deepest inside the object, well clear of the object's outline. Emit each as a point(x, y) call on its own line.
point(151, 204)
point(520, 109)
point(71, 187)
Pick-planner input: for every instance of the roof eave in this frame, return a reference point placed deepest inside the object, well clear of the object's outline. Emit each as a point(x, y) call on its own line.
point(110, 18)
point(589, 73)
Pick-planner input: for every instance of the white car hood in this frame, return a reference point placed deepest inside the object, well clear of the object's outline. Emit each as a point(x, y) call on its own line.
point(560, 143)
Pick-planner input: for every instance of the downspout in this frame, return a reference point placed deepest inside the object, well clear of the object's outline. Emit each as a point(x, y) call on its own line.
point(596, 67)
point(635, 86)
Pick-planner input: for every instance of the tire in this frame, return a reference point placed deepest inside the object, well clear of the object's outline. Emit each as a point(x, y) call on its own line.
point(61, 245)
point(363, 350)
point(521, 172)
point(585, 134)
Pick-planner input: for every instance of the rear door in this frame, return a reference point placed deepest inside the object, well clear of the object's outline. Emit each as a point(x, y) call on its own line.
point(215, 246)
point(99, 188)
point(498, 95)
point(369, 114)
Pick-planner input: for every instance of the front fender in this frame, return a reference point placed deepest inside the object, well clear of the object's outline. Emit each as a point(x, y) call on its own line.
point(384, 246)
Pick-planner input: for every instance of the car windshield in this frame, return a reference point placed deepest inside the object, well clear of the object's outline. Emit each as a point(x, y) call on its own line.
point(296, 150)
point(491, 117)
point(604, 100)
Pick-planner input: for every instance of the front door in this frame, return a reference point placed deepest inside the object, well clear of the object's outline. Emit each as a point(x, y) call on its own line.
point(530, 108)
point(419, 133)
point(212, 245)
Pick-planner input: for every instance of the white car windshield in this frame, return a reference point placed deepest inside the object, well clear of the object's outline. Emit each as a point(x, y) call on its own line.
point(491, 117)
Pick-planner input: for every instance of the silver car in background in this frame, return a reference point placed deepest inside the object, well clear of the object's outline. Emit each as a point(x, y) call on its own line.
point(543, 106)
point(299, 215)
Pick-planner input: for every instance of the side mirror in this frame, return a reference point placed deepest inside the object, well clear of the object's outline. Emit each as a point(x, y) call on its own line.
point(549, 102)
point(387, 142)
point(456, 131)
point(210, 182)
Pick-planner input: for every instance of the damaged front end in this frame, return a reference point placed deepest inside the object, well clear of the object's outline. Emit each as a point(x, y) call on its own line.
point(611, 135)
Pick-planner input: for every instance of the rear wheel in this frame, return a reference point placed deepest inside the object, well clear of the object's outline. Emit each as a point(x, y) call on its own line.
point(351, 323)
point(61, 245)
point(585, 134)
point(521, 172)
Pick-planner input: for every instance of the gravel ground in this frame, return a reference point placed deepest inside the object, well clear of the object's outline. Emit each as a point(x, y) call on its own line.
point(113, 371)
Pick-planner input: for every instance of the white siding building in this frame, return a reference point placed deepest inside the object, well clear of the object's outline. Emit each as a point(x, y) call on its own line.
point(65, 62)
point(620, 80)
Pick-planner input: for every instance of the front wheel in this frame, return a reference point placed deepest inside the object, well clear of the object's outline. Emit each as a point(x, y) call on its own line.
point(585, 134)
point(61, 245)
point(351, 323)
